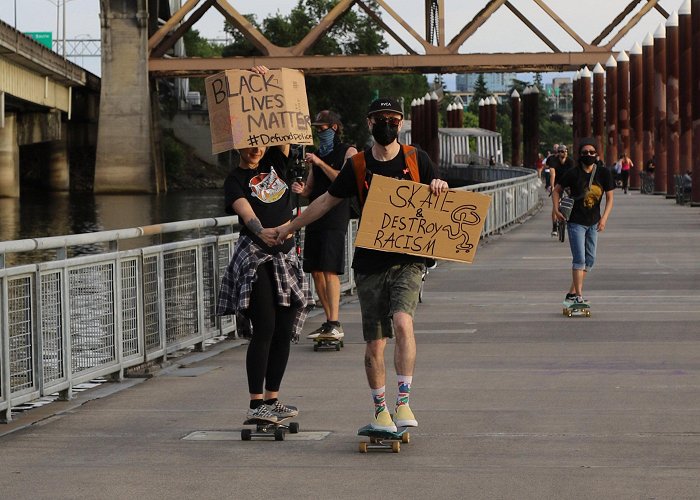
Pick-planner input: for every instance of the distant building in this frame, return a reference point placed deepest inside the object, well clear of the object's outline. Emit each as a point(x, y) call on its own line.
point(497, 83)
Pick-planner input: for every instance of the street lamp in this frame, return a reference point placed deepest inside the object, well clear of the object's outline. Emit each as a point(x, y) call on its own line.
point(57, 3)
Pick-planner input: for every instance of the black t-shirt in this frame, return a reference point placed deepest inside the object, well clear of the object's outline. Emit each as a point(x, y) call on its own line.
point(266, 190)
point(338, 216)
point(368, 261)
point(586, 210)
point(561, 167)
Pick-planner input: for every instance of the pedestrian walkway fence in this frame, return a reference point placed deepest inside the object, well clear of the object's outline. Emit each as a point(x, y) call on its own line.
point(132, 298)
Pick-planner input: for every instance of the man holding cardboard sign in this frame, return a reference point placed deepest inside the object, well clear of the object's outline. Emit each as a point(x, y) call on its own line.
point(388, 283)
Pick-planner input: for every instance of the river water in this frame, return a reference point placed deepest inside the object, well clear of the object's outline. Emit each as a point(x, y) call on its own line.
point(36, 215)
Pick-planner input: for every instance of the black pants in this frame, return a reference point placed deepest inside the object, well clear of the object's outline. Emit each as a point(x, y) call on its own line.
point(625, 176)
point(268, 351)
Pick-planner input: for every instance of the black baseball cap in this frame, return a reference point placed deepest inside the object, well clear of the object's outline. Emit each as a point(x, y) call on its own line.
point(385, 104)
point(326, 117)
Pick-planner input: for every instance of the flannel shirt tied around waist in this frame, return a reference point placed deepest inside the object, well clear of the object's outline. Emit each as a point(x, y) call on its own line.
point(242, 272)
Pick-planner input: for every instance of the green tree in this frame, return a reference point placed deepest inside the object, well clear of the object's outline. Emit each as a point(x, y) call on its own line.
point(196, 46)
point(481, 91)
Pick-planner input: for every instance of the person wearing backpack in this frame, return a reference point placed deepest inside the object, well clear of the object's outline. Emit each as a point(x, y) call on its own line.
point(588, 184)
point(388, 283)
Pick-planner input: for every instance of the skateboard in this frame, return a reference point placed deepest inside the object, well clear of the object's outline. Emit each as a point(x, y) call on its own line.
point(266, 429)
point(383, 440)
point(576, 309)
point(328, 343)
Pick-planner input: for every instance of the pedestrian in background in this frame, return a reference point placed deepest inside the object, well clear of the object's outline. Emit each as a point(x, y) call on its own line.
point(324, 239)
point(587, 185)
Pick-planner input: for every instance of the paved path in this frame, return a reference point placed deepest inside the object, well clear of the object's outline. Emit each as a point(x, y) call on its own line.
point(514, 400)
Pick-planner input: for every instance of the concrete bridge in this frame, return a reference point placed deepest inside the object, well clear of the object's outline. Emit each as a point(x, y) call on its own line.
point(38, 92)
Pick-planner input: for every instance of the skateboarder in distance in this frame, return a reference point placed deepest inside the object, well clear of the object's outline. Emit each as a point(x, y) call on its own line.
point(387, 283)
point(587, 184)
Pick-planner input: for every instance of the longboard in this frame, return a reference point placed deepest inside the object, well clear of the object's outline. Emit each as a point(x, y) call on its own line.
point(328, 343)
point(266, 429)
point(383, 440)
point(576, 309)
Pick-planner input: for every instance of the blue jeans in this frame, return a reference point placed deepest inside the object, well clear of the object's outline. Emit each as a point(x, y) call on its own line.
point(582, 240)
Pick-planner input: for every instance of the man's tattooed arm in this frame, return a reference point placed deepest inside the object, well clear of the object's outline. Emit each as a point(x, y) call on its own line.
point(254, 225)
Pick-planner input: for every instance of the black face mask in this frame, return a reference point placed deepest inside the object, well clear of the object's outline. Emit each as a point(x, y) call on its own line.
point(384, 134)
point(588, 160)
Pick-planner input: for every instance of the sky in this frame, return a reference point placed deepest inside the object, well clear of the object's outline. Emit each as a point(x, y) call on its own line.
point(503, 32)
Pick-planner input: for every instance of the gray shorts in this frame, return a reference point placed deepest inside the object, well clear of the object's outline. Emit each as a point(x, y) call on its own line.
point(383, 294)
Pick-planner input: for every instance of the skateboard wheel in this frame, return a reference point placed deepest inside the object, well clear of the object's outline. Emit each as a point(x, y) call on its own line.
point(588, 314)
point(245, 434)
point(342, 344)
point(316, 348)
point(363, 447)
point(279, 434)
point(337, 347)
point(405, 437)
point(294, 427)
point(395, 446)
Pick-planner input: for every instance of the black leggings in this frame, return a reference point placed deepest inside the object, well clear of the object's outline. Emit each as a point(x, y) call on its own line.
point(268, 351)
point(625, 175)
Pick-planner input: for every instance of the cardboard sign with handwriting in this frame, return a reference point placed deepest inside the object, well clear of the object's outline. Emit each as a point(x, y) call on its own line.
point(248, 109)
point(405, 217)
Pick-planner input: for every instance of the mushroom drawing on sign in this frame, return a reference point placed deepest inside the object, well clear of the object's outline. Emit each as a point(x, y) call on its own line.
point(464, 215)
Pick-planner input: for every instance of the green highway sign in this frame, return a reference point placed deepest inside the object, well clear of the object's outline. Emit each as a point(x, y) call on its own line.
point(43, 37)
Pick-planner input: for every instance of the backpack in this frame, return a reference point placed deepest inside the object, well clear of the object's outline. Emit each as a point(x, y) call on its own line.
point(359, 166)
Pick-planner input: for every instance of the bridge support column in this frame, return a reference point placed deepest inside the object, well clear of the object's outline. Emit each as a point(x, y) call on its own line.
point(125, 152)
point(59, 170)
point(9, 158)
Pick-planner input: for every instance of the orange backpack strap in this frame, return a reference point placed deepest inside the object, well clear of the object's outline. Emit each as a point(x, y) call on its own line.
point(411, 156)
point(359, 166)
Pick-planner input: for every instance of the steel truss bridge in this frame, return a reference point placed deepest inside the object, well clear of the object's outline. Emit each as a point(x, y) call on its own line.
point(435, 55)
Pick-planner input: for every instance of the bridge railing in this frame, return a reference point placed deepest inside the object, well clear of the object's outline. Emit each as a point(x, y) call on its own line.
point(70, 319)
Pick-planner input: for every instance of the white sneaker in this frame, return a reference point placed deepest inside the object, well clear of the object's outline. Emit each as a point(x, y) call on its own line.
point(317, 332)
point(333, 331)
point(262, 412)
point(282, 411)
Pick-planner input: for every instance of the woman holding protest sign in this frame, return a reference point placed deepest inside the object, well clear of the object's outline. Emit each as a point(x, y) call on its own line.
point(264, 280)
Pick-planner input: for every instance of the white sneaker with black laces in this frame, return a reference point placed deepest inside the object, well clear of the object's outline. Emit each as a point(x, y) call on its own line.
point(262, 412)
point(282, 411)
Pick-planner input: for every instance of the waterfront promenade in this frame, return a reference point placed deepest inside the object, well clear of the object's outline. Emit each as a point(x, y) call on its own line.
point(514, 399)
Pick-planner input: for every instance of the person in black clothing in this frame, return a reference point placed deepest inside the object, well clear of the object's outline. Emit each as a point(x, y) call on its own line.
point(558, 164)
point(264, 280)
point(324, 239)
point(387, 283)
point(587, 183)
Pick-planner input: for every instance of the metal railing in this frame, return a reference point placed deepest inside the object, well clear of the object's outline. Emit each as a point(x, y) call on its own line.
point(74, 318)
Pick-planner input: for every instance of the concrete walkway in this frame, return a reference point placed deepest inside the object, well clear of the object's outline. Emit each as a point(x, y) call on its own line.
point(514, 399)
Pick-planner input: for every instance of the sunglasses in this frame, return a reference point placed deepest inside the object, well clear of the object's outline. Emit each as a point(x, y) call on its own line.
point(391, 120)
point(588, 152)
